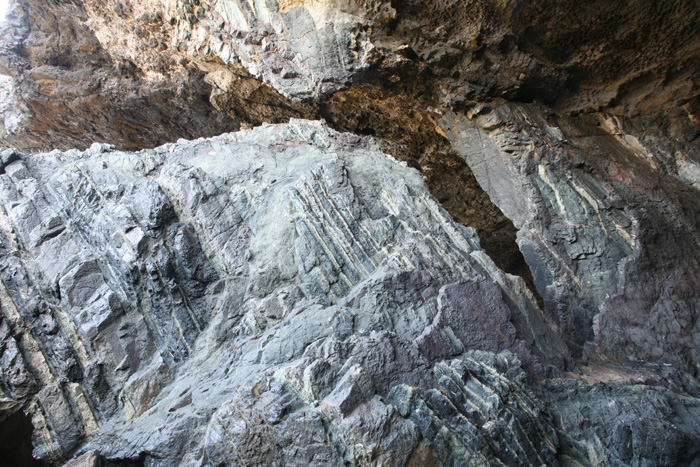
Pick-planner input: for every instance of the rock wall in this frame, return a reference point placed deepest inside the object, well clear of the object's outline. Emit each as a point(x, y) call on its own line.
point(287, 295)
point(287, 263)
point(474, 243)
point(607, 223)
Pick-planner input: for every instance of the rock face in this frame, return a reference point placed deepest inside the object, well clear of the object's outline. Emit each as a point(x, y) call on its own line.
point(66, 85)
point(283, 296)
point(607, 223)
point(138, 74)
point(515, 284)
point(290, 274)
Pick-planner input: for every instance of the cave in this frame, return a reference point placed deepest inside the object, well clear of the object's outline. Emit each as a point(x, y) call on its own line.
point(296, 232)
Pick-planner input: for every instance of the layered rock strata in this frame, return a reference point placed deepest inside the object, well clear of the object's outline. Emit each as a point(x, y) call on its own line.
point(145, 290)
point(607, 222)
point(288, 295)
point(291, 295)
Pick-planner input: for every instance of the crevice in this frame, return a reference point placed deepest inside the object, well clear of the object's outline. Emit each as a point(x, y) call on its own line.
point(16, 439)
point(502, 248)
point(403, 126)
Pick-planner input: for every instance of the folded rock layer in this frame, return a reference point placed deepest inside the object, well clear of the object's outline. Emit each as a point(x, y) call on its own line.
point(333, 287)
point(282, 296)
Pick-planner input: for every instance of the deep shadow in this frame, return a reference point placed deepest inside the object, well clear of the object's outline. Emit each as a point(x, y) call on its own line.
point(503, 250)
point(16, 441)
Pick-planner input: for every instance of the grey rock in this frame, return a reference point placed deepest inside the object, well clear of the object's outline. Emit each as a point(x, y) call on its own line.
point(641, 424)
point(283, 296)
point(261, 285)
point(306, 51)
point(478, 416)
point(472, 314)
point(594, 227)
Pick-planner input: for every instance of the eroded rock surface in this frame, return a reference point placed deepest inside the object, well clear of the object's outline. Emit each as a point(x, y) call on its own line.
point(607, 222)
point(293, 296)
point(289, 275)
point(137, 74)
point(283, 296)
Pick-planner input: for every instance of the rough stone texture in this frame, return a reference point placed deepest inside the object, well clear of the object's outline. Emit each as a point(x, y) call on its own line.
point(260, 285)
point(607, 222)
point(137, 74)
point(648, 416)
point(571, 56)
point(84, 72)
point(478, 416)
point(89, 459)
point(292, 296)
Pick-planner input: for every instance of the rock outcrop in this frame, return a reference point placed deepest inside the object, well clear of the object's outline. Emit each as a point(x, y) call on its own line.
point(287, 295)
point(607, 222)
point(394, 233)
point(289, 272)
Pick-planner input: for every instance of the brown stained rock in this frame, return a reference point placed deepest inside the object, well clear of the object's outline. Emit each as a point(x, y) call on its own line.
point(247, 100)
point(136, 75)
point(74, 88)
point(89, 459)
point(413, 136)
point(626, 57)
point(423, 456)
point(638, 53)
